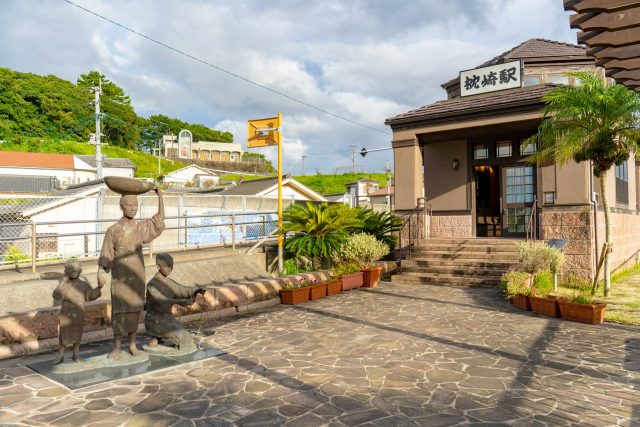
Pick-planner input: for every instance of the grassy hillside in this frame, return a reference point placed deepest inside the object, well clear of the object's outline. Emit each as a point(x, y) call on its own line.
point(334, 184)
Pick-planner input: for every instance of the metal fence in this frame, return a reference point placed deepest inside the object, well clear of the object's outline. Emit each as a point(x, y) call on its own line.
point(35, 229)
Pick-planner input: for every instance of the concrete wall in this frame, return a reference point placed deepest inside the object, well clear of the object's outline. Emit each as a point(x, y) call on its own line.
point(446, 189)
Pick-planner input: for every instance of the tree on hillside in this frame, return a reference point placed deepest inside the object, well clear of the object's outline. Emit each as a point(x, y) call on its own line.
point(595, 122)
point(120, 124)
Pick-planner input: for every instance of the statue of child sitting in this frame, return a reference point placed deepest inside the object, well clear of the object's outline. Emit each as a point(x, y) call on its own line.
point(162, 293)
point(74, 291)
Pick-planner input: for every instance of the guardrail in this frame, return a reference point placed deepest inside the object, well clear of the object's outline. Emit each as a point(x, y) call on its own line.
point(230, 229)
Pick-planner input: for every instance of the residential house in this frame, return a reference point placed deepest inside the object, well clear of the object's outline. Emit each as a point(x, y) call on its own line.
point(183, 146)
point(191, 176)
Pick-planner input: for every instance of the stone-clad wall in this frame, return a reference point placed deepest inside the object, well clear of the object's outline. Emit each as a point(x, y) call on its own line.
point(625, 228)
point(451, 225)
point(573, 223)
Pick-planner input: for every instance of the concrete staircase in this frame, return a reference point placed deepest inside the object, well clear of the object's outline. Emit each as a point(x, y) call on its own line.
point(458, 262)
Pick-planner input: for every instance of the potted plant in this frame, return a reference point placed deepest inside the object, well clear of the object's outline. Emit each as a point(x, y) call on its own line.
point(294, 291)
point(318, 289)
point(349, 274)
point(581, 307)
point(540, 299)
point(516, 287)
point(334, 287)
point(364, 250)
point(535, 257)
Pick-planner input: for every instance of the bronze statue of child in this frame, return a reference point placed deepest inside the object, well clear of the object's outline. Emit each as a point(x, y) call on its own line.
point(162, 293)
point(74, 291)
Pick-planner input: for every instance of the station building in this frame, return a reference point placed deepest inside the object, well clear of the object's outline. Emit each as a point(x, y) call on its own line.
point(464, 159)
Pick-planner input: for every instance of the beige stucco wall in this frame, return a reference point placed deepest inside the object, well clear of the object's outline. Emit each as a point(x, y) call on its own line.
point(407, 159)
point(572, 183)
point(446, 189)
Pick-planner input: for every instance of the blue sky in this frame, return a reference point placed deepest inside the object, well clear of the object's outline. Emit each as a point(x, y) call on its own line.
point(362, 60)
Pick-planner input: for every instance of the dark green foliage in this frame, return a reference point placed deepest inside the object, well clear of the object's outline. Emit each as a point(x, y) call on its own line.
point(52, 108)
point(319, 230)
point(381, 225)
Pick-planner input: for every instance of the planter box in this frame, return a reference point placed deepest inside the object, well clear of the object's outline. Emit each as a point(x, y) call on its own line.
point(294, 296)
point(371, 276)
point(318, 291)
point(521, 301)
point(334, 287)
point(351, 281)
point(584, 313)
point(546, 306)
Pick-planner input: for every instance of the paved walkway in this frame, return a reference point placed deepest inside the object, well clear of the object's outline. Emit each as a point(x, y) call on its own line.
point(401, 355)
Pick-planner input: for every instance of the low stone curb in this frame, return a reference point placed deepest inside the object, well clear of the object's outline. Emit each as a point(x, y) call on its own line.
point(36, 330)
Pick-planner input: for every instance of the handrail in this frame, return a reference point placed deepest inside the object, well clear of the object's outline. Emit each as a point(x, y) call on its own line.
point(531, 232)
point(261, 241)
point(416, 225)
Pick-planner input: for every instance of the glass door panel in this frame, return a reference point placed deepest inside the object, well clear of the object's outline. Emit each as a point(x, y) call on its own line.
point(518, 195)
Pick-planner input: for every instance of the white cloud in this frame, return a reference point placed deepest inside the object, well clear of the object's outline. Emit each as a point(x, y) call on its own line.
point(361, 60)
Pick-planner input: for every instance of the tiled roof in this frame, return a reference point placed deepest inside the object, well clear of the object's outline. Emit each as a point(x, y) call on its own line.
point(534, 48)
point(107, 162)
point(253, 187)
point(26, 184)
point(458, 106)
point(36, 160)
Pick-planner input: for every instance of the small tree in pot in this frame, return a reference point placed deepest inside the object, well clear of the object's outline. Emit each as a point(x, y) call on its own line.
point(365, 250)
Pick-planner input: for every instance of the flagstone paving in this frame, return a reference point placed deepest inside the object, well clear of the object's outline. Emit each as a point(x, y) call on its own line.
point(399, 355)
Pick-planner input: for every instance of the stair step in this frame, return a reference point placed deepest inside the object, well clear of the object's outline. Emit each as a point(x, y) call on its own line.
point(470, 242)
point(457, 263)
point(466, 249)
point(446, 280)
point(454, 271)
point(498, 256)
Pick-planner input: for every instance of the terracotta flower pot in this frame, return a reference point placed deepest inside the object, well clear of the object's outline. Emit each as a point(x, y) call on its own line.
point(295, 296)
point(351, 281)
point(334, 287)
point(521, 301)
point(371, 276)
point(584, 313)
point(318, 291)
point(546, 306)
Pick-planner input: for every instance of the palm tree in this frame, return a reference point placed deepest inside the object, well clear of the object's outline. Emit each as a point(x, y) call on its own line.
point(320, 230)
point(593, 121)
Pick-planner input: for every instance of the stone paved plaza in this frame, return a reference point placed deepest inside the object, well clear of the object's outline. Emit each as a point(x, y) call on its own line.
point(399, 355)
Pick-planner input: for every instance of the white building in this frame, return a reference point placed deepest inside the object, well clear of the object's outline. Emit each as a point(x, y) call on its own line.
point(192, 175)
point(184, 147)
point(67, 169)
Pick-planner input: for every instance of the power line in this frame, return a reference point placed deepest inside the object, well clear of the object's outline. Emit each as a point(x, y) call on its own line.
point(202, 61)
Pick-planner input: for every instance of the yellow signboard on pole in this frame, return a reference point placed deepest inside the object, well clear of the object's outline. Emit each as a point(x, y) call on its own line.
point(265, 133)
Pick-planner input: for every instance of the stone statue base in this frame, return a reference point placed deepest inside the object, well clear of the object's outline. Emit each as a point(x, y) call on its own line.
point(100, 362)
point(166, 351)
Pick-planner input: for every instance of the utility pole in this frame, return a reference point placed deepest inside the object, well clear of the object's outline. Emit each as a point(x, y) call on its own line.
point(97, 92)
point(353, 158)
point(303, 157)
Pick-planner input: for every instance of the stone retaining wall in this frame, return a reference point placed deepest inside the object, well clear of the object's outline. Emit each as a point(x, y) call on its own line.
point(573, 223)
point(625, 229)
point(37, 330)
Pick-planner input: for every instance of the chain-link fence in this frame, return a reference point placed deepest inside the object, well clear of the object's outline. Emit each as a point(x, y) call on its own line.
point(39, 228)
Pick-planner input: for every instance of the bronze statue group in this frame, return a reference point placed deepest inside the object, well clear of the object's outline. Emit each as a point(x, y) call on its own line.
point(121, 257)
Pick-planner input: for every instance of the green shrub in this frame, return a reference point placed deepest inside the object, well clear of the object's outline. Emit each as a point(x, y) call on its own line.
point(363, 249)
point(535, 257)
point(542, 284)
point(344, 268)
point(15, 255)
point(381, 225)
point(515, 283)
